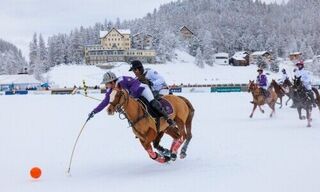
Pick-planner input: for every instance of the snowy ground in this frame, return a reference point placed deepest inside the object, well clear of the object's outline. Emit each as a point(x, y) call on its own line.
point(229, 151)
point(182, 70)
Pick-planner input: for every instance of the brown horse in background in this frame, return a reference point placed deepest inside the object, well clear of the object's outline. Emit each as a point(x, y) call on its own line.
point(144, 126)
point(279, 90)
point(259, 99)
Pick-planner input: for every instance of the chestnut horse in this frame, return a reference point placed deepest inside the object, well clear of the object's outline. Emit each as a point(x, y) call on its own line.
point(259, 99)
point(144, 126)
point(279, 90)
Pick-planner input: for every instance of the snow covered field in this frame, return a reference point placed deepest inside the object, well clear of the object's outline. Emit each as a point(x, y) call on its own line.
point(229, 151)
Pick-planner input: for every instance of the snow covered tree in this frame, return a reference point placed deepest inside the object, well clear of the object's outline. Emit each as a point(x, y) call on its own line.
point(261, 63)
point(208, 50)
point(199, 60)
point(33, 54)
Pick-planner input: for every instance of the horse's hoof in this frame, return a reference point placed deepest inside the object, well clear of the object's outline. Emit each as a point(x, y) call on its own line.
point(262, 111)
point(183, 155)
point(173, 157)
point(302, 118)
point(250, 116)
point(309, 126)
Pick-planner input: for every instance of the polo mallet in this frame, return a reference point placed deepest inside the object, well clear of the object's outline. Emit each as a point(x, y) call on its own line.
point(74, 146)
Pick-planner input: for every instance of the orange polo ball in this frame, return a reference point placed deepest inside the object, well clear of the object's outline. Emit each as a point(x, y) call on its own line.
point(35, 172)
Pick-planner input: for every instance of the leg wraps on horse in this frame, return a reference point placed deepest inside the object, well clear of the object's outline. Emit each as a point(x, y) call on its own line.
point(155, 156)
point(175, 145)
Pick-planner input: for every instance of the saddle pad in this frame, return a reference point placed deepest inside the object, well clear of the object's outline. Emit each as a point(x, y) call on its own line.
point(167, 106)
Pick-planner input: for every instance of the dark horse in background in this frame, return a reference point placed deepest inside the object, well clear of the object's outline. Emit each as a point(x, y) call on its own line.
point(284, 90)
point(302, 100)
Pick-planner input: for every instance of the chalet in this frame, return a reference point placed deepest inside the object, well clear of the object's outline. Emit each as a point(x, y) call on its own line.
point(185, 32)
point(240, 58)
point(264, 55)
point(141, 41)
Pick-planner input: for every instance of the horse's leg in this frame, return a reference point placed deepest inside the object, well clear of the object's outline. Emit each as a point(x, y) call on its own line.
point(254, 108)
point(183, 152)
point(151, 135)
point(309, 116)
point(260, 108)
point(280, 102)
point(272, 106)
point(289, 98)
point(299, 112)
point(177, 139)
point(156, 144)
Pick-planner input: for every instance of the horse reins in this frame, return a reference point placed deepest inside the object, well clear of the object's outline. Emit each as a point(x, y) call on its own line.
point(121, 111)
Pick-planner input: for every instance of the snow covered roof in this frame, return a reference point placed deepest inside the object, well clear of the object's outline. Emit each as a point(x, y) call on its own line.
point(221, 55)
point(296, 53)
point(240, 56)
point(259, 53)
point(18, 79)
point(121, 31)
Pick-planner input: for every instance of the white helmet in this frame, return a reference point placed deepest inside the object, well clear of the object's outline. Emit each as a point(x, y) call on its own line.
point(108, 77)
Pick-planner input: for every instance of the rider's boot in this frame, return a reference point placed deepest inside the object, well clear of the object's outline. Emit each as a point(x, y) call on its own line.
point(157, 106)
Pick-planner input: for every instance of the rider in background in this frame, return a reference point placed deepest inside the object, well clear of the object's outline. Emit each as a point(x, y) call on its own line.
point(283, 77)
point(150, 77)
point(135, 88)
point(306, 80)
point(262, 82)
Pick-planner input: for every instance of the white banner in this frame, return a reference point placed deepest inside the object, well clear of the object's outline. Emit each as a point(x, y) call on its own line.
point(196, 89)
point(39, 92)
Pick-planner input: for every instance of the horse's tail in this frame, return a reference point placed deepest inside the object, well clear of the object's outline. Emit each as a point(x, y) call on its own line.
point(189, 118)
point(317, 96)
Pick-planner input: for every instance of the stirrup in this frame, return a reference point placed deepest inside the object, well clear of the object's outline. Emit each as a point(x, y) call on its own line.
point(172, 123)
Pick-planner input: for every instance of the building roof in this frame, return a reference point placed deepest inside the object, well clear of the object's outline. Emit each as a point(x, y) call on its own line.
point(221, 55)
point(18, 79)
point(296, 53)
point(121, 31)
point(259, 53)
point(184, 27)
point(240, 56)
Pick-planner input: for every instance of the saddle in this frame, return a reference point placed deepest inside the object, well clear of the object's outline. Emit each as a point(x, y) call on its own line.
point(153, 113)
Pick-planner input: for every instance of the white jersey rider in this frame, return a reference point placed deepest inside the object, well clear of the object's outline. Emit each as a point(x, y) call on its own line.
point(283, 77)
point(306, 80)
point(150, 77)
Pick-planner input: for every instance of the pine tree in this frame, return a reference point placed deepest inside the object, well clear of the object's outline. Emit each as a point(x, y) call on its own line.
point(33, 55)
point(199, 58)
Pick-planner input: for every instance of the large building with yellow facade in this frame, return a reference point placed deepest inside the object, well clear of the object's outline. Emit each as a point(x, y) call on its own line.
point(116, 46)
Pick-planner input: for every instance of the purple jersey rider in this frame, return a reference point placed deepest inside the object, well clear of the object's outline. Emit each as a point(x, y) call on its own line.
point(135, 89)
point(262, 80)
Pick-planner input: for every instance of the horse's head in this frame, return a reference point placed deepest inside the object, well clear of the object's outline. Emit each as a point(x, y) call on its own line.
point(118, 98)
point(297, 84)
point(287, 83)
point(251, 86)
point(273, 83)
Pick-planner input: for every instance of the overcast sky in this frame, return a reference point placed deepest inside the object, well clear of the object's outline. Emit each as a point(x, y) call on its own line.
point(19, 19)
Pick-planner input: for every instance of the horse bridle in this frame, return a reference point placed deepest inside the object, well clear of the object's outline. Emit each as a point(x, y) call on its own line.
point(119, 107)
